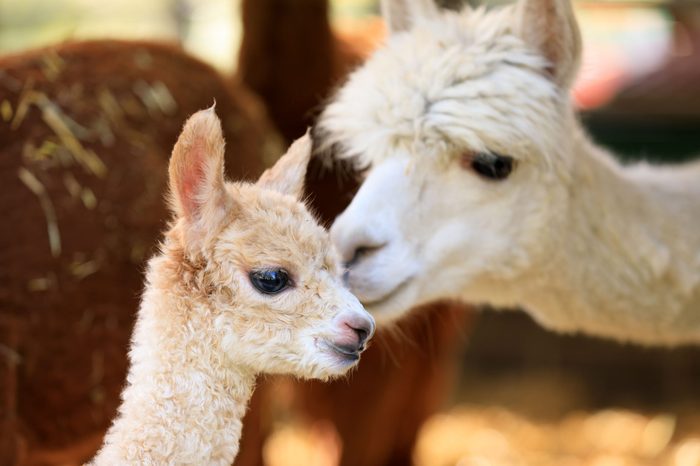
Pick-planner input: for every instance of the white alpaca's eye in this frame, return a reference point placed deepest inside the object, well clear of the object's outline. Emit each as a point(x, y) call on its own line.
point(269, 281)
point(489, 164)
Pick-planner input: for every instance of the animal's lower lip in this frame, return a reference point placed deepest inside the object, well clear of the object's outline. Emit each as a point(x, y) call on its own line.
point(396, 290)
point(350, 355)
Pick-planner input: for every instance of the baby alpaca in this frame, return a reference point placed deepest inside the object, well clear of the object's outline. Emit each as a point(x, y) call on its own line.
point(482, 185)
point(246, 282)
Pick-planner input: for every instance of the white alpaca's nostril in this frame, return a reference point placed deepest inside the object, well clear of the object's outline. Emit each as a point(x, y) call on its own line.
point(354, 240)
point(361, 252)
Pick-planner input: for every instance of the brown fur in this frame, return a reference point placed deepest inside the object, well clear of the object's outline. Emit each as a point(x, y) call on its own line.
point(290, 57)
point(68, 318)
point(405, 377)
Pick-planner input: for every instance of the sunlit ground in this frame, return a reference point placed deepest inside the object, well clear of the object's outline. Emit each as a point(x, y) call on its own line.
point(492, 436)
point(529, 430)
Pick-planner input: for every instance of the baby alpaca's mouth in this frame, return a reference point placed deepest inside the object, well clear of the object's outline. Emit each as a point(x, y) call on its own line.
point(346, 353)
point(351, 353)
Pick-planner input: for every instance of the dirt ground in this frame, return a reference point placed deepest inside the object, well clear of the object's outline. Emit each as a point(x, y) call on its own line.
point(543, 400)
point(481, 435)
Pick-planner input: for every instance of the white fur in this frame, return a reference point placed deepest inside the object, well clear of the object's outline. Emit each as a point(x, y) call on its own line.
point(581, 242)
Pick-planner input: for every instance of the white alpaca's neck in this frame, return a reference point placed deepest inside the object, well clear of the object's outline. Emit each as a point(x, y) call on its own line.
point(181, 405)
point(625, 259)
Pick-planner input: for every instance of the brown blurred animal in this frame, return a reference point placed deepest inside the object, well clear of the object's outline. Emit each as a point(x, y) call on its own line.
point(289, 36)
point(85, 134)
point(291, 57)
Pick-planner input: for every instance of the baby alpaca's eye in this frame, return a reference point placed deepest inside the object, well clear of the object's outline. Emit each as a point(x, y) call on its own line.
point(269, 281)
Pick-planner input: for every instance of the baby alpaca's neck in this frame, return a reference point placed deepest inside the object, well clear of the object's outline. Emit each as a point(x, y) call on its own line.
point(181, 405)
point(625, 260)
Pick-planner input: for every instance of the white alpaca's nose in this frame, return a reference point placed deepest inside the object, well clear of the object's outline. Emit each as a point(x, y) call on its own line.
point(371, 221)
point(354, 240)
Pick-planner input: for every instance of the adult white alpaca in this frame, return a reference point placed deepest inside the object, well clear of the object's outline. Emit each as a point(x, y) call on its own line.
point(246, 282)
point(481, 184)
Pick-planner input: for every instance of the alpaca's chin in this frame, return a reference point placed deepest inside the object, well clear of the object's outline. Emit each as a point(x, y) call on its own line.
point(394, 305)
point(334, 361)
point(338, 368)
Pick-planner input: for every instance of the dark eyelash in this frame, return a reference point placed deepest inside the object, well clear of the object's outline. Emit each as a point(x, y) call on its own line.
point(489, 165)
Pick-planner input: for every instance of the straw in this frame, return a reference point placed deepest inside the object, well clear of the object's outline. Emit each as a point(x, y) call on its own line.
point(39, 190)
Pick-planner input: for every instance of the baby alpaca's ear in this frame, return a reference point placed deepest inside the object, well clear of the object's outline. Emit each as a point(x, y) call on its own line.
point(197, 192)
point(288, 174)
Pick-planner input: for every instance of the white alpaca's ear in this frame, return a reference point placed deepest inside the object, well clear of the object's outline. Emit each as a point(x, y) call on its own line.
point(287, 175)
point(401, 15)
point(197, 191)
point(550, 26)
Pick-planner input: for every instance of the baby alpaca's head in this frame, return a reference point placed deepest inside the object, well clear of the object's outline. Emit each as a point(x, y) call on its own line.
point(256, 259)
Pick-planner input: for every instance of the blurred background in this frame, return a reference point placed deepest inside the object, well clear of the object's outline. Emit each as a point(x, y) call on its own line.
point(474, 387)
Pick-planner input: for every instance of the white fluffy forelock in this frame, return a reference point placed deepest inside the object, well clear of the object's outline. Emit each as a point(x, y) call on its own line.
point(464, 81)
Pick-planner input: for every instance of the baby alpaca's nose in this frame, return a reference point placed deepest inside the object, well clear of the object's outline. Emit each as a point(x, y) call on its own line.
point(356, 329)
point(364, 329)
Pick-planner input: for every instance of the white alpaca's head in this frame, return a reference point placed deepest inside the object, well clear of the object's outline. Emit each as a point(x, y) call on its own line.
point(263, 279)
point(461, 124)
